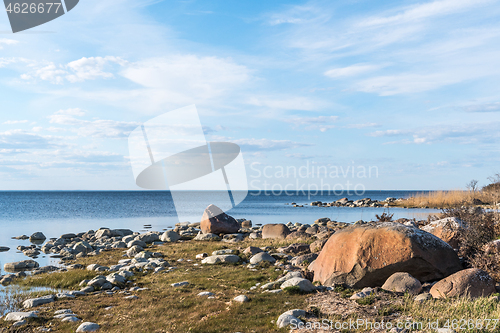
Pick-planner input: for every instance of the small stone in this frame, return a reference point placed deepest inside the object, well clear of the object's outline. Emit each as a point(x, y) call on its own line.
point(423, 297)
point(179, 284)
point(260, 257)
point(71, 319)
point(19, 323)
point(402, 282)
point(170, 236)
point(287, 319)
point(304, 284)
point(131, 297)
point(37, 236)
point(205, 293)
point(88, 327)
point(241, 299)
point(363, 293)
point(201, 255)
point(227, 258)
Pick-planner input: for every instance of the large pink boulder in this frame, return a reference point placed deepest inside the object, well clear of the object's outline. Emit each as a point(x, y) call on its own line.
point(215, 221)
point(367, 255)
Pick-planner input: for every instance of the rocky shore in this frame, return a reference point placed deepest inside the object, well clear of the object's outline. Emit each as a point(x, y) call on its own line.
point(368, 263)
point(345, 202)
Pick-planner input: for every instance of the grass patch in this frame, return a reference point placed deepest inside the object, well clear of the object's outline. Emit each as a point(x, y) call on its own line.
point(293, 290)
point(166, 309)
point(59, 280)
point(368, 300)
point(450, 199)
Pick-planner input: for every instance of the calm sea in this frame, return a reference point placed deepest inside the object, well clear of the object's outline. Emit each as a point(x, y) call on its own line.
point(58, 212)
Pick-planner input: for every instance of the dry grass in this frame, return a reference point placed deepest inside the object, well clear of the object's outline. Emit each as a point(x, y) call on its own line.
point(450, 199)
point(166, 309)
point(388, 307)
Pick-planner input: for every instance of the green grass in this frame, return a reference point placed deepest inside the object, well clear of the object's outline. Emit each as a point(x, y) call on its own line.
point(59, 280)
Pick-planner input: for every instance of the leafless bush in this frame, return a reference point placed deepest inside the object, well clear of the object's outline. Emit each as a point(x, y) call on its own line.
point(480, 227)
point(488, 261)
point(384, 217)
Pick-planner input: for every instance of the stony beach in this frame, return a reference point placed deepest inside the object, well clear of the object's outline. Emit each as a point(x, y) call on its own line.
point(227, 275)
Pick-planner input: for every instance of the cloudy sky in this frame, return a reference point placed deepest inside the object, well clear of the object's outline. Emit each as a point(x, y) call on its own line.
point(410, 89)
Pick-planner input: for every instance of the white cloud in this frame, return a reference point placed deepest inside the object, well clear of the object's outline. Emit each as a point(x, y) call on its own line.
point(187, 77)
point(6, 41)
point(350, 70)
point(321, 123)
point(294, 15)
point(472, 133)
point(75, 71)
point(21, 139)
point(363, 125)
point(490, 107)
point(286, 103)
point(260, 145)
point(91, 68)
point(72, 112)
point(423, 11)
point(11, 122)
point(387, 133)
point(99, 128)
point(405, 83)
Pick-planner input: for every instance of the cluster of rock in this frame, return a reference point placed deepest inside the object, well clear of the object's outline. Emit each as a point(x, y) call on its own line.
point(390, 256)
point(345, 202)
point(64, 315)
point(397, 258)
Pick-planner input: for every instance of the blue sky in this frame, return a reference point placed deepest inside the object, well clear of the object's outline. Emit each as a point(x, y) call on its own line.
point(407, 88)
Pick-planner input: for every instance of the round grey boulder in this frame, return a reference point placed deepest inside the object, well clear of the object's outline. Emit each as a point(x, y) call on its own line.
point(260, 257)
point(87, 327)
point(170, 236)
point(241, 299)
point(402, 282)
point(304, 284)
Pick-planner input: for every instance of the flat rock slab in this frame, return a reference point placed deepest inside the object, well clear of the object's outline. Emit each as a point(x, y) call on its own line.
point(17, 266)
point(71, 319)
point(17, 316)
point(225, 259)
point(34, 302)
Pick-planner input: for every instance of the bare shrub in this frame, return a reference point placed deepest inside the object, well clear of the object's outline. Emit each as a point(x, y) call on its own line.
point(480, 227)
point(488, 261)
point(384, 217)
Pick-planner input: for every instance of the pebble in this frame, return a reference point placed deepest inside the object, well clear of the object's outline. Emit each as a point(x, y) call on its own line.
point(131, 297)
point(205, 293)
point(180, 284)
